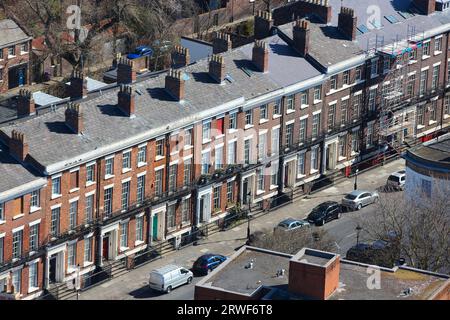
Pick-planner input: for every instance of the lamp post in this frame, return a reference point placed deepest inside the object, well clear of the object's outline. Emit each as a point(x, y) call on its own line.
point(356, 179)
point(358, 230)
point(253, 1)
point(248, 217)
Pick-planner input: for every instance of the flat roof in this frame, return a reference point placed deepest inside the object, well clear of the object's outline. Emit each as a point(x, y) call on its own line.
point(44, 99)
point(197, 49)
point(234, 274)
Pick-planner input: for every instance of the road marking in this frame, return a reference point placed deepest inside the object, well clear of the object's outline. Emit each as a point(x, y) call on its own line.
point(204, 250)
point(236, 229)
point(350, 235)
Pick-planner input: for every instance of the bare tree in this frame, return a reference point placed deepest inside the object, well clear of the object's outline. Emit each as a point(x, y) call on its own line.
point(293, 241)
point(415, 228)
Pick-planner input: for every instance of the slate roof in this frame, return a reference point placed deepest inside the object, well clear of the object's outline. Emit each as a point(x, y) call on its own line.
point(13, 175)
point(11, 33)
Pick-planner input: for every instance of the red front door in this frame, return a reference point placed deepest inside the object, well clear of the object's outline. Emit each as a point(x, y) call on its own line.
point(105, 254)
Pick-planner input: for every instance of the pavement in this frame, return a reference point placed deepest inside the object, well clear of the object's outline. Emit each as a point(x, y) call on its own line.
point(133, 285)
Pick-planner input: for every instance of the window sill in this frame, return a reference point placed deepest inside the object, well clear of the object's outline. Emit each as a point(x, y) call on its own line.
point(185, 224)
point(188, 147)
point(220, 136)
point(431, 122)
point(425, 57)
point(71, 270)
point(87, 264)
point(126, 170)
point(263, 121)
point(33, 289)
point(124, 249)
point(259, 192)
point(206, 141)
point(169, 230)
point(23, 52)
point(314, 171)
point(317, 101)
point(301, 176)
point(289, 111)
point(138, 243)
point(304, 106)
point(90, 183)
point(141, 164)
point(341, 158)
point(273, 186)
point(248, 126)
point(232, 130)
point(18, 216)
point(109, 176)
point(34, 209)
point(420, 126)
point(446, 116)
point(373, 76)
point(31, 253)
point(11, 57)
point(158, 158)
point(2, 222)
point(56, 196)
point(354, 153)
point(437, 52)
point(74, 190)
point(276, 116)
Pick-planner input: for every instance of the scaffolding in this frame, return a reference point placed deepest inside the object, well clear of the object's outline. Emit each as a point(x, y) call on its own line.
point(396, 110)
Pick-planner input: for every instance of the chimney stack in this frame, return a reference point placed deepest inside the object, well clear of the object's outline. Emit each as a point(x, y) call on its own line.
point(25, 105)
point(314, 274)
point(260, 56)
point(301, 35)
point(180, 57)
point(126, 99)
point(426, 7)
point(217, 68)
point(74, 118)
point(175, 84)
point(126, 72)
point(263, 24)
point(221, 42)
point(18, 147)
point(78, 86)
point(348, 22)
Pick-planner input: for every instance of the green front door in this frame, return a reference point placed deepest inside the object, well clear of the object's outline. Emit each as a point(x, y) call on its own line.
point(155, 227)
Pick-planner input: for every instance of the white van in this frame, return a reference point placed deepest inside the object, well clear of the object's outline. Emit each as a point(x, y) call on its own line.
point(169, 277)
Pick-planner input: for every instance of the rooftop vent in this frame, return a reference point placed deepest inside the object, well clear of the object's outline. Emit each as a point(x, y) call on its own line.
point(281, 272)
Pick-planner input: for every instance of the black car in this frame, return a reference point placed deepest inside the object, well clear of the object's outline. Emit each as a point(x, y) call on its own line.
point(207, 262)
point(379, 253)
point(325, 212)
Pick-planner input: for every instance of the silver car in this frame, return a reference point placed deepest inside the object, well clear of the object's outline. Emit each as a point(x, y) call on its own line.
point(292, 224)
point(357, 199)
point(397, 180)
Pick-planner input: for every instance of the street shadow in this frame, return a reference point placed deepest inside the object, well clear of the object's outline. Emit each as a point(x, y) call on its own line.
point(145, 292)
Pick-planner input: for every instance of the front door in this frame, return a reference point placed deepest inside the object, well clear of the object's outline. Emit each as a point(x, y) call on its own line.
point(245, 196)
point(155, 227)
point(105, 253)
point(21, 75)
point(52, 269)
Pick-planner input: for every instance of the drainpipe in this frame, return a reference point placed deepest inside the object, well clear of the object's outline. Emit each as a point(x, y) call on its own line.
point(99, 242)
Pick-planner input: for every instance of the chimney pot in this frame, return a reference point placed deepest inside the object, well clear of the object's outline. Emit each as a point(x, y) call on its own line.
point(175, 84)
point(26, 105)
point(217, 68)
point(18, 146)
point(263, 24)
point(78, 86)
point(74, 118)
point(221, 42)
point(126, 71)
point(347, 23)
point(180, 57)
point(126, 100)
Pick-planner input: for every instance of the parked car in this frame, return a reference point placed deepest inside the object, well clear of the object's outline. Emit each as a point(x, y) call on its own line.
point(357, 199)
point(380, 252)
point(207, 263)
point(292, 224)
point(325, 212)
point(169, 277)
point(397, 180)
point(140, 52)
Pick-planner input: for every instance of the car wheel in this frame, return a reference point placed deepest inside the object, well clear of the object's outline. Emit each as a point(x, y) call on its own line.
point(338, 215)
point(359, 207)
point(322, 222)
point(375, 200)
point(189, 280)
point(169, 288)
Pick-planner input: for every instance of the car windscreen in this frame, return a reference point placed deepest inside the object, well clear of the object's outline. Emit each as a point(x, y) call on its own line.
point(393, 178)
point(350, 197)
point(284, 225)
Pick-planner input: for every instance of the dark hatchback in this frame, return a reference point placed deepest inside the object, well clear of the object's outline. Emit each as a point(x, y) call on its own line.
point(207, 262)
point(325, 212)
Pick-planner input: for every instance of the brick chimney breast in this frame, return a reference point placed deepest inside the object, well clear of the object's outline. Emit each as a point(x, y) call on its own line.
point(74, 118)
point(221, 42)
point(217, 68)
point(175, 84)
point(301, 35)
point(126, 100)
point(180, 57)
point(426, 7)
point(26, 105)
point(126, 71)
point(18, 147)
point(263, 24)
point(260, 56)
point(78, 86)
point(347, 23)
